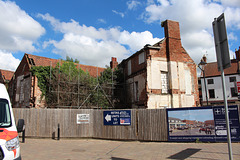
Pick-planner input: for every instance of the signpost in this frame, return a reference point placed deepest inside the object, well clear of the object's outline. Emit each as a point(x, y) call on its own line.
point(117, 117)
point(223, 59)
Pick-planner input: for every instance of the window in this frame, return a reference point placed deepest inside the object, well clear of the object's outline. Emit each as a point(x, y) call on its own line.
point(164, 80)
point(199, 81)
point(5, 118)
point(141, 58)
point(129, 67)
point(136, 91)
point(232, 79)
point(210, 81)
point(233, 92)
point(211, 93)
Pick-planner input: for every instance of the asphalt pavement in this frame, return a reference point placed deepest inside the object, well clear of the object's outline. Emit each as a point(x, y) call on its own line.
point(95, 149)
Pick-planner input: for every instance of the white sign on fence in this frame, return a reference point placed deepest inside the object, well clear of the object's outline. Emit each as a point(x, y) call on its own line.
point(83, 118)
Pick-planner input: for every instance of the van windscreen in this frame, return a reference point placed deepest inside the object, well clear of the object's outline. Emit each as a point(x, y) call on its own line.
point(5, 116)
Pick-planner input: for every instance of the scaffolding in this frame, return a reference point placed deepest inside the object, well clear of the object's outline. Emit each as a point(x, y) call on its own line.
point(80, 91)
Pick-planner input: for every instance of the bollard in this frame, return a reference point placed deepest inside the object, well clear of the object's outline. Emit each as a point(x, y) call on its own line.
point(23, 136)
point(58, 138)
point(21, 128)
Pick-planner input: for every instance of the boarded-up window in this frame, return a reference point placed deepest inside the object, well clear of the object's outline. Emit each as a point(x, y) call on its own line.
point(129, 67)
point(136, 91)
point(188, 83)
point(21, 91)
point(141, 58)
point(164, 80)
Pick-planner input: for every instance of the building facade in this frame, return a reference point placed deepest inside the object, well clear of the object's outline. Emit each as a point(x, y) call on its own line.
point(5, 76)
point(214, 83)
point(162, 75)
point(23, 87)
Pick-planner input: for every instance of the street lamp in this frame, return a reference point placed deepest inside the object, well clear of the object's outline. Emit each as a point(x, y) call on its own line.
point(202, 63)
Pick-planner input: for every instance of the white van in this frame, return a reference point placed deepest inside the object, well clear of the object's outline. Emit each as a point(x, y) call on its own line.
point(9, 141)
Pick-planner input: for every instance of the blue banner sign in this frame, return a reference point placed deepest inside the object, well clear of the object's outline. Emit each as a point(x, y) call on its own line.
point(202, 123)
point(117, 117)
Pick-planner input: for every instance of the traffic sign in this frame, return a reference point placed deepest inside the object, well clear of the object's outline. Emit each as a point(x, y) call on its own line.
point(221, 43)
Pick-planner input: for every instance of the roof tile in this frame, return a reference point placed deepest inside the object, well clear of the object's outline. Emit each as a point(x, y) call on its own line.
point(7, 75)
point(43, 61)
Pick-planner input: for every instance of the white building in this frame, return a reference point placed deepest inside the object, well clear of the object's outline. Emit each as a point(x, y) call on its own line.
point(214, 83)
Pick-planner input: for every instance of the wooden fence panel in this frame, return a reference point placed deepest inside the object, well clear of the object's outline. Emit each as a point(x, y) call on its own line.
point(114, 132)
point(146, 125)
point(44, 122)
point(152, 125)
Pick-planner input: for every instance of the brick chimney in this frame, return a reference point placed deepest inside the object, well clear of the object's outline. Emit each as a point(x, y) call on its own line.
point(171, 29)
point(173, 40)
point(237, 53)
point(113, 63)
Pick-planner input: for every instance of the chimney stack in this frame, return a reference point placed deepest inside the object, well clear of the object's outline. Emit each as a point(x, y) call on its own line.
point(113, 63)
point(173, 40)
point(171, 29)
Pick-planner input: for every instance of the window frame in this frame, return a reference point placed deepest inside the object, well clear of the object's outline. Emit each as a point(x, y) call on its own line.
point(141, 58)
point(165, 88)
point(232, 79)
point(8, 112)
point(233, 92)
point(210, 81)
point(210, 94)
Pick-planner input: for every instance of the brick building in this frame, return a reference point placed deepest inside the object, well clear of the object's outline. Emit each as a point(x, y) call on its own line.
point(5, 76)
point(161, 75)
point(23, 88)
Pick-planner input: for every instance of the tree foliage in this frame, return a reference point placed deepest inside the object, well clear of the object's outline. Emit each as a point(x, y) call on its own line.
point(68, 85)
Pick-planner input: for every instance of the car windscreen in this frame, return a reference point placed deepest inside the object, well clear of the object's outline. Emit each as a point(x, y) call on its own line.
point(5, 116)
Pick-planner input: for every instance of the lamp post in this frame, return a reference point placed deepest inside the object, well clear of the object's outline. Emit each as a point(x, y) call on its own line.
point(202, 63)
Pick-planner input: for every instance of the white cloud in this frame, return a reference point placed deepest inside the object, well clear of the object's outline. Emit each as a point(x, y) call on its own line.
point(231, 36)
point(17, 29)
point(137, 40)
point(95, 46)
point(232, 3)
point(118, 13)
point(88, 50)
point(195, 18)
point(232, 17)
point(102, 21)
point(132, 5)
point(8, 62)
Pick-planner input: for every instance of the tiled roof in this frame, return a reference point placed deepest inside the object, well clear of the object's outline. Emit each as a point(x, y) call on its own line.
point(211, 69)
point(43, 61)
point(6, 75)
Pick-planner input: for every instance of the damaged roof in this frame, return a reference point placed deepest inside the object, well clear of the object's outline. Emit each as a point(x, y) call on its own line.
point(34, 60)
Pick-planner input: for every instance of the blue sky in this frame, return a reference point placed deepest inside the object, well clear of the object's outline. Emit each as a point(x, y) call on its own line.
point(93, 31)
